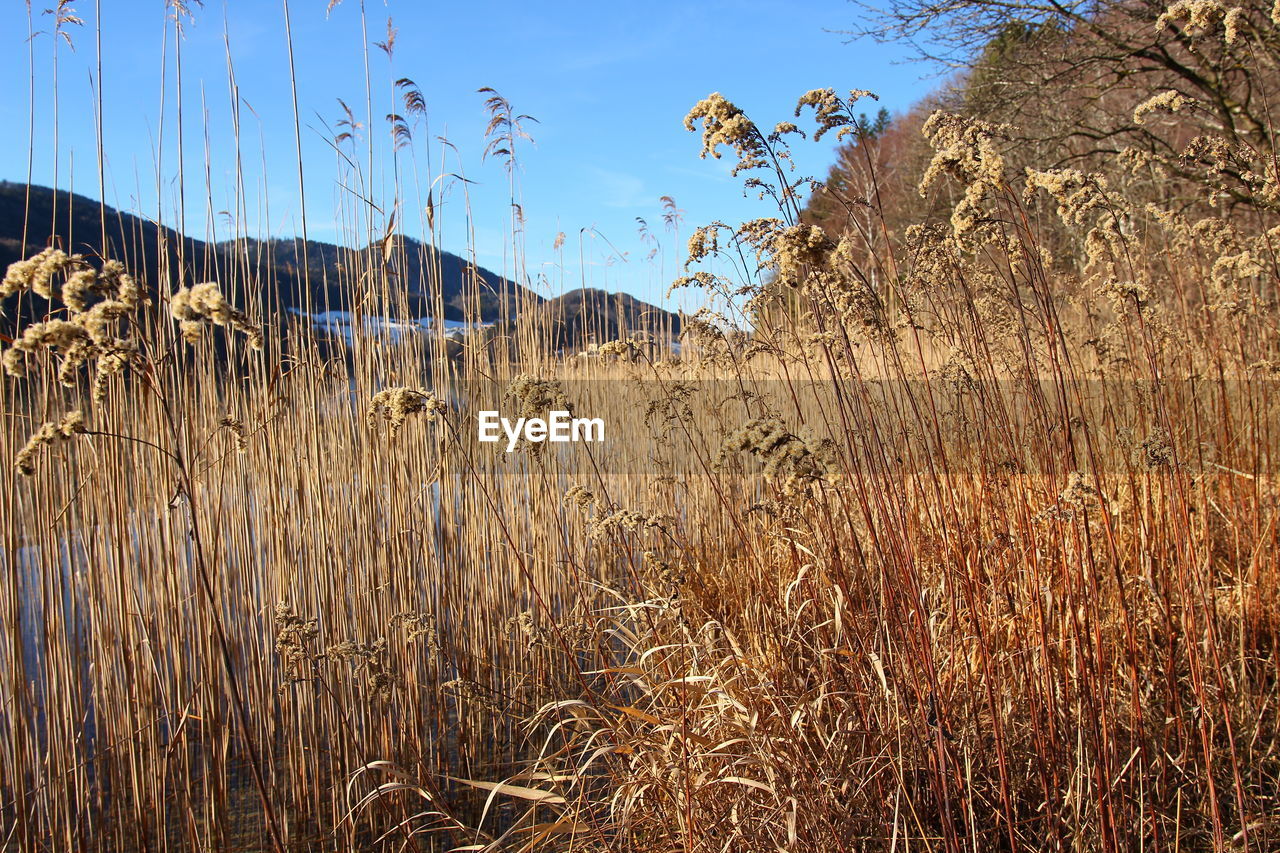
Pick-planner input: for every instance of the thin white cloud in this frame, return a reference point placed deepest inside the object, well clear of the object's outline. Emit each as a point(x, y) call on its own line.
point(618, 189)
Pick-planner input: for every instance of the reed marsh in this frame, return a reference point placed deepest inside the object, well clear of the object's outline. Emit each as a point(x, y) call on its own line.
point(949, 523)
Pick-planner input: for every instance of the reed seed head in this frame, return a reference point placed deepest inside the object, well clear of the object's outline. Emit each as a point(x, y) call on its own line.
point(397, 404)
point(69, 426)
point(205, 303)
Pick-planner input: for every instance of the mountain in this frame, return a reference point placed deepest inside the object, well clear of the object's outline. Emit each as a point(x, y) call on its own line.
point(322, 284)
point(591, 315)
point(275, 264)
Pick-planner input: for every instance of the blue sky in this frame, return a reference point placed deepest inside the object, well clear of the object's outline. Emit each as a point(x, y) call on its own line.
point(608, 82)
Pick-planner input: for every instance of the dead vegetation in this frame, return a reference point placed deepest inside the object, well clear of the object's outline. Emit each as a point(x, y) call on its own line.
point(966, 545)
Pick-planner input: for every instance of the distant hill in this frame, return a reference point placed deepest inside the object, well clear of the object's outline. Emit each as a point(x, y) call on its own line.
point(276, 265)
point(590, 315)
point(421, 278)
